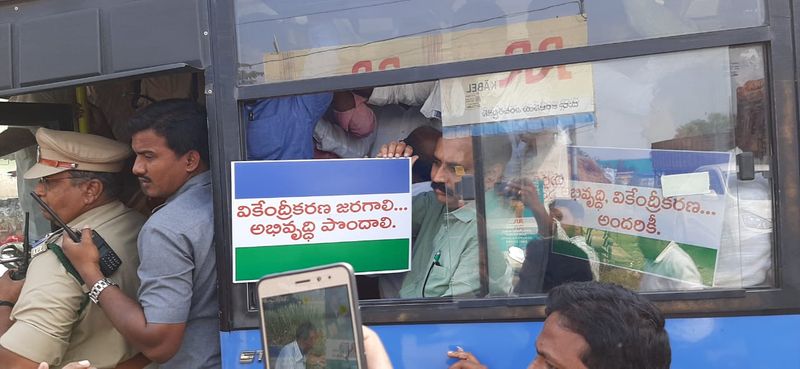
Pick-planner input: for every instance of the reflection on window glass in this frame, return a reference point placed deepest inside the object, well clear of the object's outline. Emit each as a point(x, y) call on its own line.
point(11, 217)
point(622, 171)
point(18, 153)
point(280, 41)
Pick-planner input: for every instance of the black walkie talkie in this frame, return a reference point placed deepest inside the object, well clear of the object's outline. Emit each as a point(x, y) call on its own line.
point(26, 253)
point(109, 260)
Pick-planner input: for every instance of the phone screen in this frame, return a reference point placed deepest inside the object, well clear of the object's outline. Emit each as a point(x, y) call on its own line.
point(310, 330)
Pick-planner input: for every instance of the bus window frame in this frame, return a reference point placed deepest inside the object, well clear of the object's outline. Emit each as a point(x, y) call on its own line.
point(19, 114)
point(227, 141)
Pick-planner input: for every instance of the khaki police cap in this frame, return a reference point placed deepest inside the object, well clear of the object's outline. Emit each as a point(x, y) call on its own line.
point(60, 151)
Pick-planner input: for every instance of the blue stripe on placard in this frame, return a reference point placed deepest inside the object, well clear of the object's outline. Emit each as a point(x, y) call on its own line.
point(271, 179)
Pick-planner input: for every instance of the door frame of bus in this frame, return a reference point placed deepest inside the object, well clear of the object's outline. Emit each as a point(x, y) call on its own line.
point(227, 141)
point(17, 115)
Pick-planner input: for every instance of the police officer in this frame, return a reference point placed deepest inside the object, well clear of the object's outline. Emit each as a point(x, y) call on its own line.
point(52, 319)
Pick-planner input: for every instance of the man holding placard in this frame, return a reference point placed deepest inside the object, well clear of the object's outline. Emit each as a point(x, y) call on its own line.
point(444, 221)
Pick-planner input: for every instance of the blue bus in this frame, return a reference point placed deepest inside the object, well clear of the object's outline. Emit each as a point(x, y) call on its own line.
point(660, 139)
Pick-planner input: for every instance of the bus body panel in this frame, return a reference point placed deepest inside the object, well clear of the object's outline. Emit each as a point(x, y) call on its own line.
point(697, 343)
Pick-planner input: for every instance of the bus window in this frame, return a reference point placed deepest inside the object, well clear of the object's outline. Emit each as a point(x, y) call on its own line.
point(612, 171)
point(290, 41)
point(640, 187)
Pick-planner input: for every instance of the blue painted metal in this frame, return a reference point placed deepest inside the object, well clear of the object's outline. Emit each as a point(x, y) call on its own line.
point(232, 345)
point(768, 342)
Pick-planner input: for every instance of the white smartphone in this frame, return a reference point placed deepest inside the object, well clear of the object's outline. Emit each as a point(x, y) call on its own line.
point(310, 319)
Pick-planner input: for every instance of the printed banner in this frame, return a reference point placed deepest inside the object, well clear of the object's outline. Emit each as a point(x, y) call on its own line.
point(532, 93)
point(297, 214)
point(616, 204)
point(433, 48)
point(643, 211)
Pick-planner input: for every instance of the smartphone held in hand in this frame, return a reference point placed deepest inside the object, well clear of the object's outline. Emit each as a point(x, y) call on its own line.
point(310, 319)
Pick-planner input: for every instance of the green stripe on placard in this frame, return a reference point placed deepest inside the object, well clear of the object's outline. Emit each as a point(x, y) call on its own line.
point(252, 263)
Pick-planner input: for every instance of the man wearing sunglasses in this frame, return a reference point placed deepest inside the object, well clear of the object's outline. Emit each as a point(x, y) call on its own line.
point(49, 318)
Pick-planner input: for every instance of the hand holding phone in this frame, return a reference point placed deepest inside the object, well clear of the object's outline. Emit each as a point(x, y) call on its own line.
point(311, 316)
point(109, 260)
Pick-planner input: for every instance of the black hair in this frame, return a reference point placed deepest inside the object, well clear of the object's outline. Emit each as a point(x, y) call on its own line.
point(304, 331)
point(622, 329)
point(544, 268)
point(569, 264)
point(181, 122)
point(112, 184)
point(417, 139)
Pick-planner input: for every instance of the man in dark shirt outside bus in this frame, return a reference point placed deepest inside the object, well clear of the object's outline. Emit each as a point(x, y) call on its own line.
point(175, 320)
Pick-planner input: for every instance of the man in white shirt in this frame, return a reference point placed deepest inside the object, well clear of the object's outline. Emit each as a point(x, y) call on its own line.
point(672, 269)
point(293, 355)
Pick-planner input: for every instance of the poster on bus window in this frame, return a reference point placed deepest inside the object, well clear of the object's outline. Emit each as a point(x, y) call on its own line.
point(628, 207)
point(518, 95)
point(295, 214)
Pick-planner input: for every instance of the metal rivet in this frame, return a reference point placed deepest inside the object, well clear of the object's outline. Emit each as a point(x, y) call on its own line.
point(205, 33)
point(16, 8)
point(209, 91)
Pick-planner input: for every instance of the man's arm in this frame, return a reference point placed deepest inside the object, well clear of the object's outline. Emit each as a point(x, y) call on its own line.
point(159, 342)
point(529, 195)
point(377, 357)
point(11, 360)
point(45, 317)
point(466, 360)
point(9, 293)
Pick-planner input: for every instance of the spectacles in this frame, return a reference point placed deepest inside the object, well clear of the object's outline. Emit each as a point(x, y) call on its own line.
point(453, 169)
point(46, 181)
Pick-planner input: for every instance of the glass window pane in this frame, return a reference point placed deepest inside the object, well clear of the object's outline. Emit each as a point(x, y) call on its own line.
point(12, 205)
point(11, 216)
point(281, 41)
point(621, 171)
point(637, 184)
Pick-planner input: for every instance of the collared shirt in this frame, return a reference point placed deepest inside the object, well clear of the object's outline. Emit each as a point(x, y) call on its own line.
point(421, 187)
point(283, 127)
point(178, 272)
point(673, 269)
point(291, 357)
point(47, 324)
point(452, 235)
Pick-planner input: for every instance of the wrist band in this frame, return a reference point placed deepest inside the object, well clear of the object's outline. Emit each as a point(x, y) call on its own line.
point(6, 303)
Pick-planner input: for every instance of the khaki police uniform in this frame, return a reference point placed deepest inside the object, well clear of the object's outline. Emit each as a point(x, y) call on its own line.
point(52, 320)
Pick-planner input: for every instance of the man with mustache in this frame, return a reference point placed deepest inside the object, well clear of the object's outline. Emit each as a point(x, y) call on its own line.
point(175, 320)
point(594, 325)
point(445, 260)
point(52, 319)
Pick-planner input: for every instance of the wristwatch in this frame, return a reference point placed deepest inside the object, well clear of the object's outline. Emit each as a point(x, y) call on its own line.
point(98, 287)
